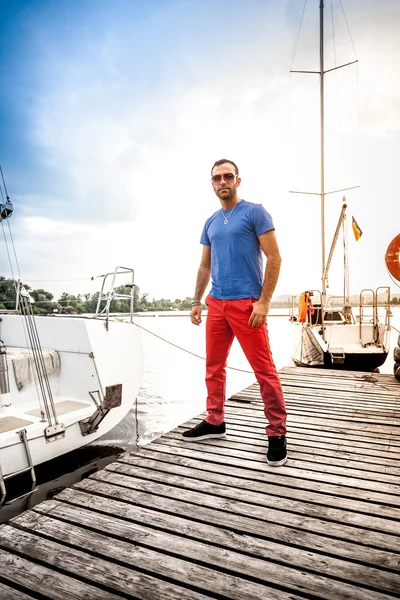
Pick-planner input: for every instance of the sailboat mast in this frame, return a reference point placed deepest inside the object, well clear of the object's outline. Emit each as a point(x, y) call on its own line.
point(322, 143)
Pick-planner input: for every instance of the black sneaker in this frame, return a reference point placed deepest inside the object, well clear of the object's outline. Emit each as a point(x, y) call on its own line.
point(204, 431)
point(276, 455)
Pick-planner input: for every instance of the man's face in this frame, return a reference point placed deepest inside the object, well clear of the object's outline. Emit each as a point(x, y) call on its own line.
point(225, 181)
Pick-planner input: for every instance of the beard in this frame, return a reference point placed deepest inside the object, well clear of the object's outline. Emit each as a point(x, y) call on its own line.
point(226, 193)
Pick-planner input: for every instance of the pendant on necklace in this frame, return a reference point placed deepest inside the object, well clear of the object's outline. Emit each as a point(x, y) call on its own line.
point(225, 221)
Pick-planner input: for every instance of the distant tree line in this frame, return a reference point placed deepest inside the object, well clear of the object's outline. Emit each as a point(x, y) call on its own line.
point(45, 303)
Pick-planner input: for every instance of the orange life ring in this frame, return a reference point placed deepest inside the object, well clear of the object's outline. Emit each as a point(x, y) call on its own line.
point(392, 257)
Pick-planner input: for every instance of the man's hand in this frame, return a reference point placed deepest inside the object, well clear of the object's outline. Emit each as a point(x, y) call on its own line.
point(195, 315)
point(259, 314)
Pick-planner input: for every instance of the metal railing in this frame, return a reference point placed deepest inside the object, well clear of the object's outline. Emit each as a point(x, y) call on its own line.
point(111, 295)
point(368, 299)
point(374, 321)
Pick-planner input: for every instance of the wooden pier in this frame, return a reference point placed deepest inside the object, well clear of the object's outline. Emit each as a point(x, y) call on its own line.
point(181, 520)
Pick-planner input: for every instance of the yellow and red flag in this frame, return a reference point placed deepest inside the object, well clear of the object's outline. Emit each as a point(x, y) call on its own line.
point(356, 229)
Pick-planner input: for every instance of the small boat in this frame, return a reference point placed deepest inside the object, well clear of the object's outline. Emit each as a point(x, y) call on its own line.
point(64, 380)
point(331, 331)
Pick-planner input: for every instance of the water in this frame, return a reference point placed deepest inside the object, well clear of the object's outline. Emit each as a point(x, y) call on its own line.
point(172, 392)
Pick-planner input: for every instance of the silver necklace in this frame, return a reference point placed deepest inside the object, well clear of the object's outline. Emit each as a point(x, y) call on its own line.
point(226, 217)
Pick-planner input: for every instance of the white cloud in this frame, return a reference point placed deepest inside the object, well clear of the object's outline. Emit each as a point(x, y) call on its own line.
point(136, 154)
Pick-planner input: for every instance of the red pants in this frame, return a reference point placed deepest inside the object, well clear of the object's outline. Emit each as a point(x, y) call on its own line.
point(225, 320)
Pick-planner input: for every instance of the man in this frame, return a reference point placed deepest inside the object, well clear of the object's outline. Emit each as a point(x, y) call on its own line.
point(233, 241)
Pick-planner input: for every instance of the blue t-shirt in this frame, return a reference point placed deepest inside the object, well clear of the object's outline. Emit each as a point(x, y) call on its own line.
point(236, 255)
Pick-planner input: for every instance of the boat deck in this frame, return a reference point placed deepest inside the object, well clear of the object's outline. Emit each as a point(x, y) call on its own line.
point(177, 520)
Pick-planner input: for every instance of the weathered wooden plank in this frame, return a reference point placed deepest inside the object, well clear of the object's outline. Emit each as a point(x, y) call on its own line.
point(265, 515)
point(297, 406)
point(311, 437)
point(381, 396)
point(338, 437)
point(343, 377)
point(254, 410)
point(374, 451)
point(111, 576)
point(377, 395)
point(387, 430)
point(256, 481)
point(251, 410)
point(330, 372)
point(337, 375)
point(328, 464)
point(369, 427)
point(337, 397)
point(40, 579)
point(350, 413)
point(8, 593)
point(379, 390)
point(390, 437)
point(245, 403)
point(272, 477)
point(230, 556)
point(341, 396)
point(239, 529)
point(239, 524)
point(307, 472)
point(349, 434)
point(183, 572)
point(314, 398)
point(345, 395)
point(390, 442)
point(363, 514)
point(301, 447)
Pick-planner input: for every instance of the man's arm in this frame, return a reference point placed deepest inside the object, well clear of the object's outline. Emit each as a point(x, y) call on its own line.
point(270, 248)
point(203, 278)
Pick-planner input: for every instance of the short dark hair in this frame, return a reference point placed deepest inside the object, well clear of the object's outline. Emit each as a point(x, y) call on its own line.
point(221, 161)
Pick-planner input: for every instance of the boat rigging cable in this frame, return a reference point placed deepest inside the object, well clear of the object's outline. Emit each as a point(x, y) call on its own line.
point(184, 349)
point(23, 302)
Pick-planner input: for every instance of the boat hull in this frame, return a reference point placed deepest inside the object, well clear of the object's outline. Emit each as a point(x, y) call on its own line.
point(352, 362)
point(93, 358)
point(341, 349)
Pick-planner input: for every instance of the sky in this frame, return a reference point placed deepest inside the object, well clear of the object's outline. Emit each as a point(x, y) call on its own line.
point(112, 113)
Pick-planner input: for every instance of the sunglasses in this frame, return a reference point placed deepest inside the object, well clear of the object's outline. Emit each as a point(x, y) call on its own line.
point(228, 177)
